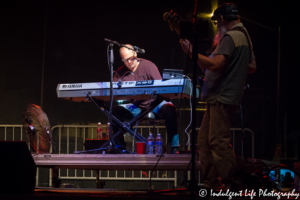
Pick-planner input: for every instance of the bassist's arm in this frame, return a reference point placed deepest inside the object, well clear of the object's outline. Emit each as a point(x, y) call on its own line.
point(252, 67)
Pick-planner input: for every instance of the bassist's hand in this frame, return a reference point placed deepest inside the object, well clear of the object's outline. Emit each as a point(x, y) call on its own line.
point(186, 46)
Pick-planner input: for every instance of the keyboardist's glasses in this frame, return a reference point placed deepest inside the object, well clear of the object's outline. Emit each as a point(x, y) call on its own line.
point(132, 58)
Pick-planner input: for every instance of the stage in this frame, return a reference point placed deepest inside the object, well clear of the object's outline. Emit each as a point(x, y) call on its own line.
point(67, 193)
point(114, 161)
point(76, 193)
point(128, 162)
point(111, 162)
point(121, 161)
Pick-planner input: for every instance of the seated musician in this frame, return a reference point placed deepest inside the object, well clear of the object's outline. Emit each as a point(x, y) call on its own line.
point(138, 69)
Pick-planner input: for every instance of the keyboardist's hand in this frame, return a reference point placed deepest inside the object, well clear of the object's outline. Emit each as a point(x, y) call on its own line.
point(186, 46)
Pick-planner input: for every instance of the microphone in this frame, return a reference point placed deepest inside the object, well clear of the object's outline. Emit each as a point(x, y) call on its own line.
point(139, 50)
point(135, 48)
point(112, 42)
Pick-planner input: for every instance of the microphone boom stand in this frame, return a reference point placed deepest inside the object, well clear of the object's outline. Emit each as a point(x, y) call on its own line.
point(111, 63)
point(193, 186)
point(111, 148)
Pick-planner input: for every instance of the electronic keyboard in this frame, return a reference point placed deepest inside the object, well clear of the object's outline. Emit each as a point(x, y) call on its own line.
point(127, 90)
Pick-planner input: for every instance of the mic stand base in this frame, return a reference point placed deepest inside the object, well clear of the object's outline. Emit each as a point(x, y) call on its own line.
point(193, 187)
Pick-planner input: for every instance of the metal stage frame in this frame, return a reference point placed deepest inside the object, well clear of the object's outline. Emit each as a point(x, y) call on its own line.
point(111, 162)
point(114, 161)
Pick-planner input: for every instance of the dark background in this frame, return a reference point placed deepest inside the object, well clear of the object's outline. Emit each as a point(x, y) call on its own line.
point(70, 35)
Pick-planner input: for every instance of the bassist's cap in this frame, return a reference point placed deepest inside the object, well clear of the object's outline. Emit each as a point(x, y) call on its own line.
point(229, 12)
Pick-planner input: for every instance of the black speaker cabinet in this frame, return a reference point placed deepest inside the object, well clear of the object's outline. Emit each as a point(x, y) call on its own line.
point(17, 168)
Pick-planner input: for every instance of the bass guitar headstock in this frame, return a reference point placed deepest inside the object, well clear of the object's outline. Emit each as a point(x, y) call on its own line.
point(173, 20)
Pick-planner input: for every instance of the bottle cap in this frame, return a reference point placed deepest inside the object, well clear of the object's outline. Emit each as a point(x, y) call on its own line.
point(99, 123)
point(158, 134)
point(108, 123)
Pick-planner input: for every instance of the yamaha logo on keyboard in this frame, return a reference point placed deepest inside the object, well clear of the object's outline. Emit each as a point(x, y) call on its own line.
point(72, 86)
point(150, 82)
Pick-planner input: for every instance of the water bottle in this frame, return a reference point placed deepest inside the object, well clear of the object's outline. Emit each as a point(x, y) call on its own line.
point(107, 131)
point(99, 131)
point(158, 144)
point(150, 144)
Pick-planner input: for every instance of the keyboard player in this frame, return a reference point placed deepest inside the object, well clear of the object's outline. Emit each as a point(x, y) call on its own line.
point(138, 69)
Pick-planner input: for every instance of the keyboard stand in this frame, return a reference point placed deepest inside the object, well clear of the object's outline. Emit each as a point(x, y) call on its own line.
point(126, 126)
point(123, 126)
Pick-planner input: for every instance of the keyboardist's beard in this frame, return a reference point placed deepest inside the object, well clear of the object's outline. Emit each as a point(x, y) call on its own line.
point(132, 66)
point(221, 32)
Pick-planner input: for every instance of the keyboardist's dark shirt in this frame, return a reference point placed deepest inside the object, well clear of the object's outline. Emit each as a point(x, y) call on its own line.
point(146, 70)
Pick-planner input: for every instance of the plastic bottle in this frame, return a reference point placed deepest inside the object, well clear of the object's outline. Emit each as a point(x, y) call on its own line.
point(150, 144)
point(158, 144)
point(99, 131)
point(107, 131)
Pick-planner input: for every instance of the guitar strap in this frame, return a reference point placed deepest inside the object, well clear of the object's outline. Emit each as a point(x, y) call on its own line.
point(208, 52)
point(246, 35)
point(250, 48)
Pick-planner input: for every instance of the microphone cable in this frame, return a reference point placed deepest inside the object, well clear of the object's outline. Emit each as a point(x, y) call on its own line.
point(180, 96)
point(191, 116)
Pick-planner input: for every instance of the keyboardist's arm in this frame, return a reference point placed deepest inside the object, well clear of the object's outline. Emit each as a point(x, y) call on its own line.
point(116, 76)
point(152, 72)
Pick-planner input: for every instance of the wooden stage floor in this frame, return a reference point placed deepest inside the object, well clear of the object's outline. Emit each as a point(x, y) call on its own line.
point(87, 194)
